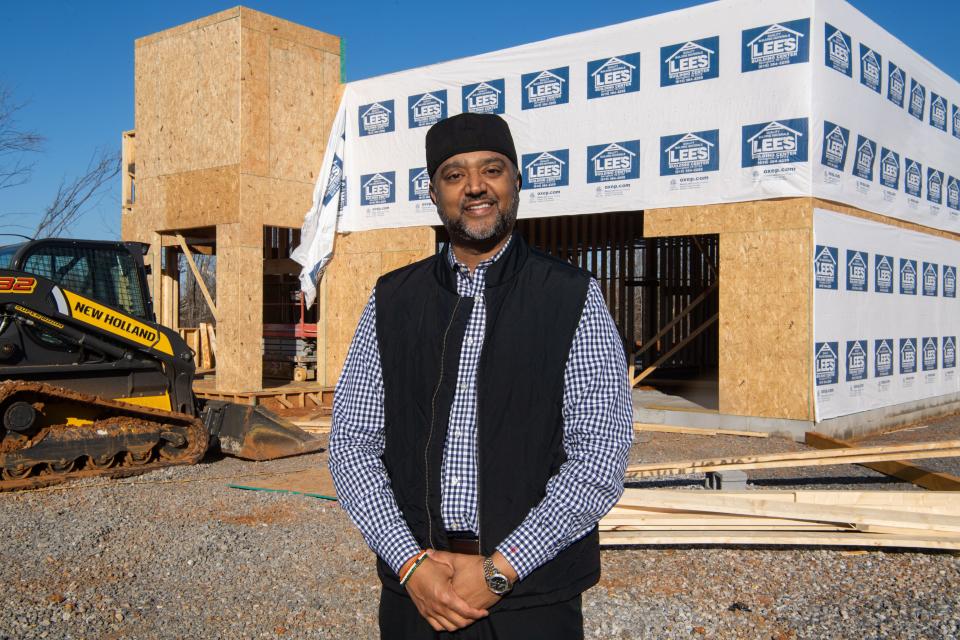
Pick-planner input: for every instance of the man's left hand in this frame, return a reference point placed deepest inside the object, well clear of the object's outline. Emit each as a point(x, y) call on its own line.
point(468, 579)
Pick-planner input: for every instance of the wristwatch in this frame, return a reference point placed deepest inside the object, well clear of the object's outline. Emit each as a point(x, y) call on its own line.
point(496, 581)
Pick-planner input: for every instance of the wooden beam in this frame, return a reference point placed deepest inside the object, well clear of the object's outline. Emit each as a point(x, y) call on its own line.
point(664, 428)
point(206, 362)
point(680, 316)
point(945, 449)
point(793, 538)
point(945, 502)
point(680, 345)
point(196, 274)
point(711, 502)
point(932, 480)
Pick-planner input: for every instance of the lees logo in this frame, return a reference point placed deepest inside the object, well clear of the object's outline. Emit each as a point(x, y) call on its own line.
point(17, 284)
point(693, 152)
point(912, 177)
point(930, 353)
point(614, 161)
point(908, 277)
point(547, 169)
point(835, 140)
point(377, 188)
point(484, 97)
point(825, 267)
point(953, 193)
point(882, 358)
point(949, 281)
point(613, 76)
point(934, 185)
point(890, 168)
point(825, 363)
point(956, 121)
point(918, 99)
point(896, 84)
point(775, 45)
point(883, 274)
point(426, 109)
point(689, 62)
point(908, 355)
point(949, 352)
point(419, 187)
point(376, 118)
point(929, 279)
point(938, 112)
point(871, 68)
point(856, 360)
point(776, 142)
point(857, 270)
point(866, 154)
point(837, 47)
point(545, 88)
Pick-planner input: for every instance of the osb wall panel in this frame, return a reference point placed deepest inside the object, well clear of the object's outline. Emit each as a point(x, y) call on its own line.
point(255, 102)
point(359, 259)
point(199, 97)
point(146, 79)
point(278, 203)
point(193, 25)
point(239, 302)
point(279, 28)
point(297, 109)
point(783, 213)
point(765, 323)
point(195, 198)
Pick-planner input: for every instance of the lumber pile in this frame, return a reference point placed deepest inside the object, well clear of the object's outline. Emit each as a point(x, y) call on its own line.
point(852, 455)
point(911, 519)
point(203, 341)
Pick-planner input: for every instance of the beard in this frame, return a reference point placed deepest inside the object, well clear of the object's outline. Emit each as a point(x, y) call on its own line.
point(481, 239)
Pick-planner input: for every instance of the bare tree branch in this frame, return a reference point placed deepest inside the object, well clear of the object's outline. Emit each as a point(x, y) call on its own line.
point(74, 199)
point(15, 144)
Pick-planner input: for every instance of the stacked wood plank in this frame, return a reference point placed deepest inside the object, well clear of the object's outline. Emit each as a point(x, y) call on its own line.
point(911, 519)
point(852, 455)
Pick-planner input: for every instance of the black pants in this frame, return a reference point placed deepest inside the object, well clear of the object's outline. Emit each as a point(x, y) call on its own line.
point(400, 620)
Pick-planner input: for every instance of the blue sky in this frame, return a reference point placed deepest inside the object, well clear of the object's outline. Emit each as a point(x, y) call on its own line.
point(72, 62)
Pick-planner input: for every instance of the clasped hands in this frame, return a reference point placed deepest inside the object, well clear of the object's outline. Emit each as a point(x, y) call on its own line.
point(450, 591)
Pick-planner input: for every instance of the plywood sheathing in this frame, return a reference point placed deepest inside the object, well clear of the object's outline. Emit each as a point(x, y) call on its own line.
point(235, 110)
point(765, 326)
point(359, 259)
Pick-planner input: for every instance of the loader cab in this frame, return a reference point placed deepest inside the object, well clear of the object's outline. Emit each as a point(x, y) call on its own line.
point(109, 272)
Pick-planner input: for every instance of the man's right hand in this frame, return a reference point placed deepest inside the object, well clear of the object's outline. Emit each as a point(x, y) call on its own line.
point(431, 589)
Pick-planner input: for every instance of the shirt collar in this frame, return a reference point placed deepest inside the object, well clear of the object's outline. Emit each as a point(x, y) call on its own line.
point(482, 266)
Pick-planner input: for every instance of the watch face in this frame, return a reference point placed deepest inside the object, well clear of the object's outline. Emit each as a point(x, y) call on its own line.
point(498, 584)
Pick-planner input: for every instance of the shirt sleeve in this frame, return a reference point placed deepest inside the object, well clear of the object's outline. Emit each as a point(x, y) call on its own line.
point(597, 435)
point(356, 447)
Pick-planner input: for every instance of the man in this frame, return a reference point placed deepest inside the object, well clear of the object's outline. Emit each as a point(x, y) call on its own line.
point(483, 418)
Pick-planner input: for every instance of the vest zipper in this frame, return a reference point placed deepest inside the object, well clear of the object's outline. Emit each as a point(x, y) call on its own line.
point(433, 419)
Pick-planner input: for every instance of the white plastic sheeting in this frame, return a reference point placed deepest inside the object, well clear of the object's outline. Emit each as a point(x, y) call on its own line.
point(885, 315)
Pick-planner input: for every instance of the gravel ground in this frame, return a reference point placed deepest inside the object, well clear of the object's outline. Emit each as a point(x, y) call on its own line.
point(178, 554)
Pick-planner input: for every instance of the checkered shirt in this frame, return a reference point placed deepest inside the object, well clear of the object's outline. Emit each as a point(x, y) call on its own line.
point(597, 435)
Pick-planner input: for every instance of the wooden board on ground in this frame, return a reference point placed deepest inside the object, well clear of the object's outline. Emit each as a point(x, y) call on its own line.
point(949, 448)
point(932, 480)
point(666, 428)
point(315, 482)
point(793, 538)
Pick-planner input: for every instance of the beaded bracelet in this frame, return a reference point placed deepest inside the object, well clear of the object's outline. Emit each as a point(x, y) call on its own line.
point(416, 563)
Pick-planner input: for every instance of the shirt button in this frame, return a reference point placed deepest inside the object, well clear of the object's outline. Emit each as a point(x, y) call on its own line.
point(454, 481)
point(469, 340)
point(462, 386)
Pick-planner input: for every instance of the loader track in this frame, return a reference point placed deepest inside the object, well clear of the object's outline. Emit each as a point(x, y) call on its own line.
point(49, 435)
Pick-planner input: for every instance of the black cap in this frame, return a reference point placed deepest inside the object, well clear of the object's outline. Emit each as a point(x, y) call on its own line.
point(468, 132)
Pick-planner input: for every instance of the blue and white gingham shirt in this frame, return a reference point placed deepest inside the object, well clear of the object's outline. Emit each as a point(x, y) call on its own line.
point(597, 435)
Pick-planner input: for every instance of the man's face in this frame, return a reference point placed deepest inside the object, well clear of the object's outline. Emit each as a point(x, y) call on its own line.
point(476, 194)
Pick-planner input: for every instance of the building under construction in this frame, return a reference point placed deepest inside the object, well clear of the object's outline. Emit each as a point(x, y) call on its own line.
point(716, 269)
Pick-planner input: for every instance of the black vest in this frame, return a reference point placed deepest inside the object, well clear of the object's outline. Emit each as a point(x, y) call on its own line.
point(534, 304)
